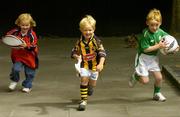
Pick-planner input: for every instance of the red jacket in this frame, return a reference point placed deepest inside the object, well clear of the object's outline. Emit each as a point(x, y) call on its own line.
point(28, 55)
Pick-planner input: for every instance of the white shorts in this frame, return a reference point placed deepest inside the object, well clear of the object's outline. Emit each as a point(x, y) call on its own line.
point(145, 63)
point(89, 73)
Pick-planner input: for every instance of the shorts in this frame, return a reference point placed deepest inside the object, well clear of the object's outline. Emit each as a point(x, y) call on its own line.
point(93, 75)
point(145, 63)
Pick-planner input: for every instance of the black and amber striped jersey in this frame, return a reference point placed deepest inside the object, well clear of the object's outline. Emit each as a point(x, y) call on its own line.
point(91, 51)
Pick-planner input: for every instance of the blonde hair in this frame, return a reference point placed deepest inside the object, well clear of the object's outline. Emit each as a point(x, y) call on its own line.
point(25, 17)
point(88, 19)
point(154, 14)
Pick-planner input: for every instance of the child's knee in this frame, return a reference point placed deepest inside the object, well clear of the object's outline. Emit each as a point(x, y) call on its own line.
point(84, 83)
point(16, 69)
point(158, 79)
point(144, 80)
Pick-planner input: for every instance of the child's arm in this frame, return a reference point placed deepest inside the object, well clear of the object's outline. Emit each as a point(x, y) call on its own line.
point(32, 44)
point(102, 55)
point(77, 57)
point(161, 44)
point(75, 52)
point(100, 66)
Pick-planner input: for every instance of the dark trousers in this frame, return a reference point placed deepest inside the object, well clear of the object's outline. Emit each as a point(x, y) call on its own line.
point(29, 74)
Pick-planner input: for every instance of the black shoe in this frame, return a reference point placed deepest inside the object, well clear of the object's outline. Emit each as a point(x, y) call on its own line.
point(90, 90)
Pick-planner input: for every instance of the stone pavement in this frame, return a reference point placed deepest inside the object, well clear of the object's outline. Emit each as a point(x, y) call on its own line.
point(56, 88)
point(173, 74)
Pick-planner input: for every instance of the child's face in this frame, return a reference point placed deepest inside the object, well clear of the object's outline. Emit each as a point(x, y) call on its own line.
point(153, 25)
point(87, 31)
point(25, 26)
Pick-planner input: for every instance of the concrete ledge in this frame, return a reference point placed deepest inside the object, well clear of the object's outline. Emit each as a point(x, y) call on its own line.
point(172, 73)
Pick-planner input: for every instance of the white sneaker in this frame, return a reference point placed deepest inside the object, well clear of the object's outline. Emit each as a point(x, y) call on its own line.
point(82, 105)
point(12, 85)
point(132, 81)
point(159, 97)
point(26, 90)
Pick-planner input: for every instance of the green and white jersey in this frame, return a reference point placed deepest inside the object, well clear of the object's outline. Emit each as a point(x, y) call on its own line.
point(148, 39)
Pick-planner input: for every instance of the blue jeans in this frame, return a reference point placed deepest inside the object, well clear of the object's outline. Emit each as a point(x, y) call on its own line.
point(29, 74)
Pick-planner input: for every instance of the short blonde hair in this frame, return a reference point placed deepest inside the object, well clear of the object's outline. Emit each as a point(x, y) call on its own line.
point(25, 17)
point(88, 19)
point(154, 14)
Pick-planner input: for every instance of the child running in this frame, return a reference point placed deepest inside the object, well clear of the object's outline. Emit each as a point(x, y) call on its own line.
point(25, 57)
point(146, 59)
point(89, 49)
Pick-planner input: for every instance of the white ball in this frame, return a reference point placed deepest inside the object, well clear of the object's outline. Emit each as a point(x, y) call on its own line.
point(172, 45)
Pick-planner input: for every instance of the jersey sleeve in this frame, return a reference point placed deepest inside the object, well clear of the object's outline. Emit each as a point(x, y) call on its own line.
point(12, 31)
point(101, 50)
point(32, 41)
point(76, 49)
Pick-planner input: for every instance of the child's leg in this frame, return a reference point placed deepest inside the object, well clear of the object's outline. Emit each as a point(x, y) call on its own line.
point(92, 82)
point(136, 78)
point(84, 73)
point(14, 76)
point(157, 86)
point(144, 79)
point(88, 79)
point(141, 70)
point(84, 93)
point(84, 88)
point(91, 86)
point(29, 74)
point(158, 81)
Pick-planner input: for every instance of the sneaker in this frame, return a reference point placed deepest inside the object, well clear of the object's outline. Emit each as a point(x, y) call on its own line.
point(26, 90)
point(132, 81)
point(82, 105)
point(159, 97)
point(12, 86)
point(90, 90)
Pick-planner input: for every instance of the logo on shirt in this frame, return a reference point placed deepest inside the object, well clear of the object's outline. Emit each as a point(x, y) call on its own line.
point(152, 41)
point(89, 57)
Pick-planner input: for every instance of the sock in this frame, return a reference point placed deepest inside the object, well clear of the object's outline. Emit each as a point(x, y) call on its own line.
point(157, 89)
point(84, 91)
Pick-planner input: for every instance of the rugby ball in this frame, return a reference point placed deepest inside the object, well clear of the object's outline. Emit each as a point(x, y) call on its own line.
point(172, 45)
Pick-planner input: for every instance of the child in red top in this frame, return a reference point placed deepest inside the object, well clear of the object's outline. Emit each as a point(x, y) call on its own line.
point(27, 55)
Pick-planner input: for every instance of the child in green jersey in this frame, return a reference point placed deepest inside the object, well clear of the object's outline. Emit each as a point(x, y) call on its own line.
point(146, 58)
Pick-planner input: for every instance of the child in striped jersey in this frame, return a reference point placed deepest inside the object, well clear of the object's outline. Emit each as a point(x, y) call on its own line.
point(89, 49)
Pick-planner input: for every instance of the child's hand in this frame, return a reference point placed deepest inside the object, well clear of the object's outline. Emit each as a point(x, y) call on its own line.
point(23, 45)
point(162, 44)
point(78, 58)
point(99, 67)
point(177, 49)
